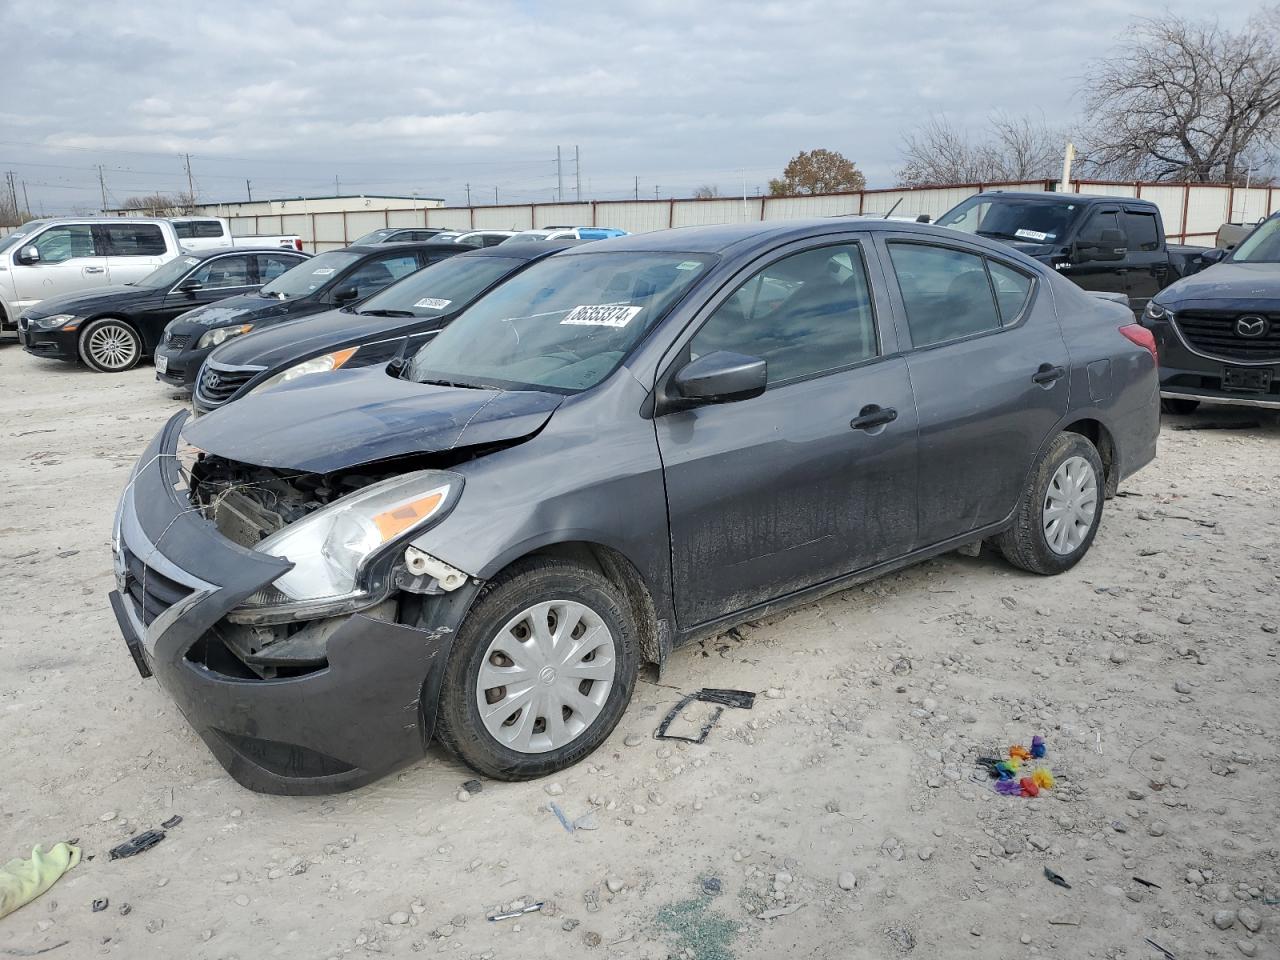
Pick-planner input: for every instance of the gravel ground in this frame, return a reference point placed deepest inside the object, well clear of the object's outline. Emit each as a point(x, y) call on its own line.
point(842, 817)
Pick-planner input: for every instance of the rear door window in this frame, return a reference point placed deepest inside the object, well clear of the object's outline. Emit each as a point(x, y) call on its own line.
point(134, 240)
point(208, 229)
point(1091, 232)
point(58, 244)
point(271, 265)
point(376, 274)
point(1142, 231)
point(945, 291)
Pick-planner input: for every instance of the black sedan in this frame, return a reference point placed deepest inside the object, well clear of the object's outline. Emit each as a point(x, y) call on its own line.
point(113, 328)
point(325, 281)
point(629, 446)
point(394, 321)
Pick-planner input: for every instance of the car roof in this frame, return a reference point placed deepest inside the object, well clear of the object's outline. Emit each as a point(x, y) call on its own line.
point(524, 251)
point(371, 248)
point(210, 252)
point(1049, 195)
point(726, 237)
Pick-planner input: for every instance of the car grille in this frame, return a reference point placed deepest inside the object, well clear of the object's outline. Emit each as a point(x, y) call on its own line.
point(152, 593)
point(177, 340)
point(217, 385)
point(1215, 334)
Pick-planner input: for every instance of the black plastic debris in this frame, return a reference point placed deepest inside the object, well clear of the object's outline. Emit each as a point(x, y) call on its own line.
point(1167, 955)
point(1148, 883)
point(99, 904)
point(1056, 879)
point(711, 886)
point(171, 822)
point(739, 699)
point(140, 843)
point(472, 786)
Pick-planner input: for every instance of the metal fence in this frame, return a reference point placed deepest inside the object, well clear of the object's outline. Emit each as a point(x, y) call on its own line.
point(1192, 212)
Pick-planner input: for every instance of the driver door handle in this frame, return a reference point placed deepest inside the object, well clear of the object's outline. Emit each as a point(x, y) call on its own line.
point(872, 416)
point(95, 269)
point(1048, 373)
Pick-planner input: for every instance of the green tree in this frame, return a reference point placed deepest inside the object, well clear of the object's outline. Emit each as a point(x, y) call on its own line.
point(818, 171)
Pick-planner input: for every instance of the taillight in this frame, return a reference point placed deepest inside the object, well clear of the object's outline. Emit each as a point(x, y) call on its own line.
point(1136, 333)
point(297, 244)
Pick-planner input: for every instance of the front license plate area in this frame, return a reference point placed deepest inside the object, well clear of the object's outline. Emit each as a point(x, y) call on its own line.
point(162, 363)
point(1246, 379)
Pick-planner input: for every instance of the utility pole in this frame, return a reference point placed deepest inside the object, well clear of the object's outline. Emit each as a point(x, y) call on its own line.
point(495, 196)
point(26, 201)
point(637, 186)
point(468, 194)
point(248, 188)
point(655, 191)
point(559, 177)
point(13, 193)
point(337, 187)
point(102, 182)
point(191, 190)
point(577, 175)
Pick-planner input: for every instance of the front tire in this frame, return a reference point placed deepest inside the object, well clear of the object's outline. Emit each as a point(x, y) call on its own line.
point(1059, 512)
point(109, 345)
point(541, 671)
point(1178, 406)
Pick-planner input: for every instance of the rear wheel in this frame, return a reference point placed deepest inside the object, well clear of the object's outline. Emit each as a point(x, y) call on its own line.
point(110, 345)
point(541, 671)
point(1058, 515)
point(1178, 406)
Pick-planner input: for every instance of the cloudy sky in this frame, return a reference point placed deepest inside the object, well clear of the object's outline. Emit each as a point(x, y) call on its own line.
point(425, 97)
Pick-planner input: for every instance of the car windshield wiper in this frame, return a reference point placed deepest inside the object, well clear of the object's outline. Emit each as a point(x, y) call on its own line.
point(385, 313)
point(454, 383)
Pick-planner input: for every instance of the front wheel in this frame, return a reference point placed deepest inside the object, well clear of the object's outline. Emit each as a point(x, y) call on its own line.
point(1059, 512)
point(540, 672)
point(110, 345)
point(1178, 406)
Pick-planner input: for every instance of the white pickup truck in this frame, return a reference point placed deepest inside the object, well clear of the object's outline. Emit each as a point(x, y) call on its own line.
point(45, 258)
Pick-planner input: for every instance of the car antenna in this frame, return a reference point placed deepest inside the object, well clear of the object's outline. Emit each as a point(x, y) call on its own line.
point(893, 208)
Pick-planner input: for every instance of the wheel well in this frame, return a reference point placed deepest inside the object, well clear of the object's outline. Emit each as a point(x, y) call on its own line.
point(621, 572)
point(1097, 434)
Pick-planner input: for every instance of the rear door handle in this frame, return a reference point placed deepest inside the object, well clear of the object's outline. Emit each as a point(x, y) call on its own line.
point(95, 270)
point(872, 416)
point(1048, 373)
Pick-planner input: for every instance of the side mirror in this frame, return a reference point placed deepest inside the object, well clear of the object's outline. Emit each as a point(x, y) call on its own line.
point(720, 377)
point(29, 255)
point(1217, 255)
point(924, 218)
point(346, 294)
point(190, 287)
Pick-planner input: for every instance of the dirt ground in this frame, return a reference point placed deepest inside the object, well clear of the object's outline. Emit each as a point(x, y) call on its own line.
point(1151, 671)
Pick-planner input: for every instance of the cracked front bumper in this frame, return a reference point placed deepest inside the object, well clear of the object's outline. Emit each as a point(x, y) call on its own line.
point(370, 707)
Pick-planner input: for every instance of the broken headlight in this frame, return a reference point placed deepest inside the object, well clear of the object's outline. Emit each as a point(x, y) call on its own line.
point(331, 548)
point(321, 364)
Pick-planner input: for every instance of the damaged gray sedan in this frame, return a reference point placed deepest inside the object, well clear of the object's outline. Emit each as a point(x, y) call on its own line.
point(631, 445)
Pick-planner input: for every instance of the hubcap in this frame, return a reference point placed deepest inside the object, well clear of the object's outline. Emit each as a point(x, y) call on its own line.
point(546, 676)
point(112, 346)
point(1070, 505)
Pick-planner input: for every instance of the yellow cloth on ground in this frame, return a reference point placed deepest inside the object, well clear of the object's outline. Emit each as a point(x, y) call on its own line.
point(21, 881)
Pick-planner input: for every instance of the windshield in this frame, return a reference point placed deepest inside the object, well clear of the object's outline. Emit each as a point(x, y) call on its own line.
point(445, 287)
point(168, 275)
point(376, 237)
point(15, 238)
point(564, 324)
point(1035, 221)
point(310, 276)
point(1261, 246)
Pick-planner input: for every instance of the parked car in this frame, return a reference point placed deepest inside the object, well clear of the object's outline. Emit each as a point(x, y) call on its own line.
point(620, 450)
point(1106, 244)
point(46, 258)
point(399, 235)
point(392, 323)
point(1219, 331)
point(209, 233)
point(112, 328)
point(483, 238)
point(566, 233)
point(327, 280)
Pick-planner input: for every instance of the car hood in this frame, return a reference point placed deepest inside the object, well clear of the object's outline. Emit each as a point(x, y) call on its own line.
point(1244, 283)
point(363, 416)
point(316, 334)
point(247, 308)
point(94, 298)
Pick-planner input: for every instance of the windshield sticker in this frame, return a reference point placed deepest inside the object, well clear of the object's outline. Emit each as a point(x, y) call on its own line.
point(688, 265)
point(322, 272)
point(602, 315)
point(1024, 234)
point(432, 303)
point(190, 261)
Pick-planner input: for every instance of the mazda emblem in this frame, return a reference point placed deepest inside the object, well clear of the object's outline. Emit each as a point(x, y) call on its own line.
point(1251, 326)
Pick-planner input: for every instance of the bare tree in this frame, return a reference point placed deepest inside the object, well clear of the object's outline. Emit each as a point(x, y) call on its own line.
point(1186, 100)
point(706, 192)
point(1011, 148)
point(818, 171)
point(160, 204)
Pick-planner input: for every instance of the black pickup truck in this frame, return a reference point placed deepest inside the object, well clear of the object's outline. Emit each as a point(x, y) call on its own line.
point(1104, 244)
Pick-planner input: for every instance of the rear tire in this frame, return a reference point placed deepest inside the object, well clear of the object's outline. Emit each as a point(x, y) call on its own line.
point(1178, 406)
point(109, 345)
point(1059, 512)
point(555, 709)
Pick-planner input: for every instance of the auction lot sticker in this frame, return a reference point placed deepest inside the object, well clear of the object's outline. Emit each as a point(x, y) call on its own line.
point(432, 303)
point(602, 315)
